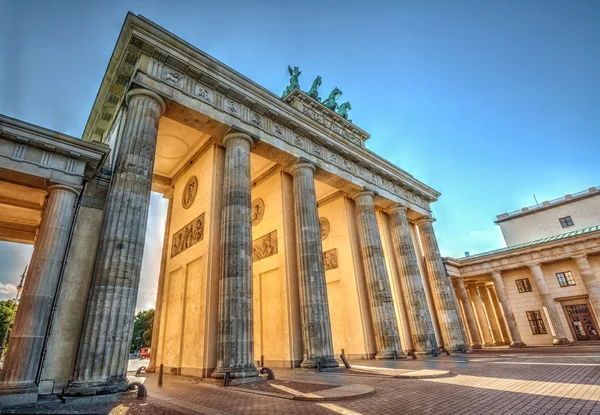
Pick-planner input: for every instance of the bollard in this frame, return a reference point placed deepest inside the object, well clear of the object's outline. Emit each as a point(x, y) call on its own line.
point(319, 366)
point(141, 389)
point(262, 360)
point(226, 379)
point(269, 372)
point(445, 351)
point(160, 375)
point(413, 355)
point(395, 355)
point(140, 370)
point(435, 353)
point(346, 363)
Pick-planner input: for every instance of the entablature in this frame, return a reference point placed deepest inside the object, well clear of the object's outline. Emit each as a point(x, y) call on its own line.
point(146, 50)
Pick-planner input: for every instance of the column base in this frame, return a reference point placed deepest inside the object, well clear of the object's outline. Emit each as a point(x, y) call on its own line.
point(96, 388)
point(558, 342)
point(235, 372)
point(390, 355)
point(476, 346)
point(515, 345)
point(314, 363)
point(18, 394)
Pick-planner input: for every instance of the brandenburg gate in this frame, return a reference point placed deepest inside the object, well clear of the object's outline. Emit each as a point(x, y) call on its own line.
point(287, 241)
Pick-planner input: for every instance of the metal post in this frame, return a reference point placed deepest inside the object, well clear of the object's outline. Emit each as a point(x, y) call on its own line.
point(160, 375)
point(226, 380)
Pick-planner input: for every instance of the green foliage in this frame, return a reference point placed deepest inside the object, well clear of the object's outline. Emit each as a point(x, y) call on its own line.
point(142, 330)
point(8, 310)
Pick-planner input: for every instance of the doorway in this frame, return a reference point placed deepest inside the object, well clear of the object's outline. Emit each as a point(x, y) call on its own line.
point(582, 322)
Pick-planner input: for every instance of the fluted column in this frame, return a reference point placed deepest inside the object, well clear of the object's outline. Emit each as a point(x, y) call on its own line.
point(559, 334)
point(441, 286)
point(419, 317)
point(469, 315)
point(498, 315)
point(29, 329)
point(378, 284)
point(156, 326)
point(509, 316)
point(314, 308)
point(590, 281)
point(235, 349)
point(484, 329)
point(101, 365)
point(490, 314)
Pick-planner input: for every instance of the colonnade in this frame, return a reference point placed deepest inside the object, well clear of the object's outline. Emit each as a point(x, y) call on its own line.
point(101, 363)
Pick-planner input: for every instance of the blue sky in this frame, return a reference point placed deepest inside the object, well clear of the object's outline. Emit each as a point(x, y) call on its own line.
point(488, 102)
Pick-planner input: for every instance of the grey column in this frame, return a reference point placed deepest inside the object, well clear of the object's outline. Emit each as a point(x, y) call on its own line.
point(481, 318)
point(101, 365)
point(590, 281)
point(559, 334)
point(314, 308)
point(29, 330)
point(509, 316)
point(378, 284)
point(161, 287)
point(470, 316)
point(441, 286)
point(235, 349)
point(419, 317)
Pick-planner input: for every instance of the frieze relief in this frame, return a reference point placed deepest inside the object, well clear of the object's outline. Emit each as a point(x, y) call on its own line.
point(264, 247)
point(324, 226)
point(190, 235)
point(258, 211)
point(234, 108)
point(330, 259)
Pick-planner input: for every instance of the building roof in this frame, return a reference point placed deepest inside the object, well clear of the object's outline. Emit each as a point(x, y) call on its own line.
point(570, 198)
point(536, 242)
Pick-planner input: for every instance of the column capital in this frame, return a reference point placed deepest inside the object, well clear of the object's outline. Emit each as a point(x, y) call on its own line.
point(302, 164)
point(397, 208)
point(146, 92)
point(534, 265)
point(579, 255)
point(363, 192)
point(55, 187)
point(236, 135)
point(424, 219)
point(497, 273)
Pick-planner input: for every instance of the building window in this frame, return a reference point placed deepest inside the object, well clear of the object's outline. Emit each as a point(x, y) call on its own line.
point(524, 286)
point(536, 323)
point(566, 221)
point(565, 278)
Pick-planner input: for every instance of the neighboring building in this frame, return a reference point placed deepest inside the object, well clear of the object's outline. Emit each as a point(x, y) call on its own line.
point(544, 287)
point(286, 242)
point(566, 214)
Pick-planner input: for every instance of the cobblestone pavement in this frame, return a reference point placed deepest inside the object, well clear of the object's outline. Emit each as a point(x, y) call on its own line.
point(489, 383)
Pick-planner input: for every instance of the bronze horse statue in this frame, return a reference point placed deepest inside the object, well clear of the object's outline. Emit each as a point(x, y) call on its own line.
point(313, 91)
point(330, 102)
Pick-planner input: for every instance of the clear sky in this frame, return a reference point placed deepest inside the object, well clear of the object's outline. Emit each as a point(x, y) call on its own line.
point(488, 102)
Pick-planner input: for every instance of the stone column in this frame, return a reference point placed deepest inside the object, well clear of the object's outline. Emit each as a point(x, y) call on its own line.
point(489, 312)
point(470, 316)
point(498, 315)
point(314, 308)
point(378, 284)
point(101, 365)
point(559, 334)
point(29, 330)
point(235, 349)
point(441, 286)
point(590, 281)
point(156, 327)
point(480, 313)
point(509, 316)
point(419, 318)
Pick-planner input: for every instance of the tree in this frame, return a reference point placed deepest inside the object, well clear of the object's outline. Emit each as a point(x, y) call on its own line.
point(142, 330)
point(8, 310)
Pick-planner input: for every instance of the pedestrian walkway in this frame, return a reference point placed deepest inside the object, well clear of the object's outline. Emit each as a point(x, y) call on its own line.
point(481, 384)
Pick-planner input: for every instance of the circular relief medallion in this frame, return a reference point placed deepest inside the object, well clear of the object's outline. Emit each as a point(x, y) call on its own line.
point(189, 192)
point(258, 211)
point(324, 223)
